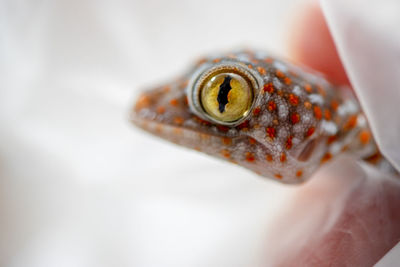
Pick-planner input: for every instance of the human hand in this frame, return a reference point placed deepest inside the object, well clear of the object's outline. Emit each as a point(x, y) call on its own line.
point(348, 214)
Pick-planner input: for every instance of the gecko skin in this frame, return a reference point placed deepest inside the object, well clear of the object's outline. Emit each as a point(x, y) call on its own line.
point(294, 121)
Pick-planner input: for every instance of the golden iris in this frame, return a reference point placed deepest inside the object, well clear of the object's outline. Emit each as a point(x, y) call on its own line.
point(226, 96)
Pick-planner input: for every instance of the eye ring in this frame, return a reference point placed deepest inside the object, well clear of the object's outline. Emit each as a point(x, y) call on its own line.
point(243, 75)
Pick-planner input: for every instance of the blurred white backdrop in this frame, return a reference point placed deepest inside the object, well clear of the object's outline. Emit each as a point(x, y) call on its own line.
point(79, 185)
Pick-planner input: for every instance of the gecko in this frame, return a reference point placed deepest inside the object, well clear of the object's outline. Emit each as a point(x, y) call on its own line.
point(280, 120)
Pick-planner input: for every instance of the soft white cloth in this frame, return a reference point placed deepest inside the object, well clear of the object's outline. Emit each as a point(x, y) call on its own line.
point(367, 36)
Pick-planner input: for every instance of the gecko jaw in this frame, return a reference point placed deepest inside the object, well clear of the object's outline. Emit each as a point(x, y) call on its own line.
point(235, 146)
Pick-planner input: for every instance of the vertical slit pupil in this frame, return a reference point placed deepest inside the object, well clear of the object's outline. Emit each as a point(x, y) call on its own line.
point(224, 89)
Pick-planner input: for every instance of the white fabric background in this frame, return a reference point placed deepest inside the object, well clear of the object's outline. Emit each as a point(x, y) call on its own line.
point(79, 186)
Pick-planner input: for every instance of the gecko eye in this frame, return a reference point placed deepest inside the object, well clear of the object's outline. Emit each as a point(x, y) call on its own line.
point(225, 94)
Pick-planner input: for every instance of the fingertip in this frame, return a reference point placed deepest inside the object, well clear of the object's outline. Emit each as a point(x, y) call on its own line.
point(309, 42)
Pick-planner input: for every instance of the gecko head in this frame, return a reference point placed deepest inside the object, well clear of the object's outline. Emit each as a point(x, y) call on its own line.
point(224, 108)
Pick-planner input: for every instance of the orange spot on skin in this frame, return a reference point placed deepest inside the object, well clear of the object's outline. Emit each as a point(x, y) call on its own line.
point(223, 128)
point(299, 173)
point(216, 60)
point(178, 120)
point(307, 105)
point(310, 131)
point(326, 157)
point(243, 126)
point(143, 102)
point(256, 111)
point(161, 110)
point(278, 176)
point(271, 105)
point(173, 102)
point(331, 139)
point(327, 114)
point(283, 157)
point(225, 153)
point(255, 61)
point(364, 136)
point(268, 60)
point(279, 74)
point(308, 88)
point(334, 105)
point(250, 157)
point(293, 99)
point(226, 141)
point(351, 122)
point(201, 61)
point(317, 112)
point(261, 70)
point(250, 66)
point(269, 88)
point(268, 157)
point(294, 117)
point(289, 142)
point(201, 121)
point(271, 132)
point(287, 81)
point(252, 141)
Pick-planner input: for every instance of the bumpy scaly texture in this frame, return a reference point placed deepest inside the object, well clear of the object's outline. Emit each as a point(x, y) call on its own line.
point(298, 120)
